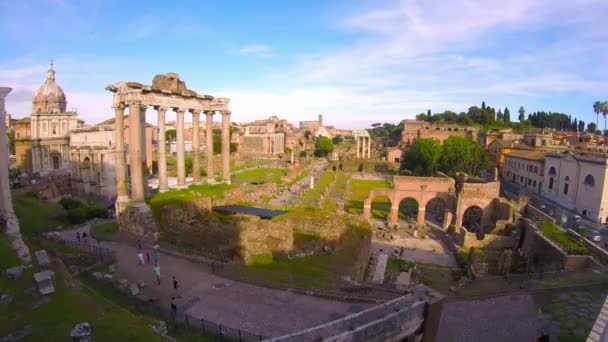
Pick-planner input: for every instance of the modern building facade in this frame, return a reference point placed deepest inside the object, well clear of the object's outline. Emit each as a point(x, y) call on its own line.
point(526, 169)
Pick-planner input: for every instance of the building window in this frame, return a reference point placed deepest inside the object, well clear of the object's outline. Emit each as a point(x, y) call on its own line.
point(589, 181)
point(529, 181)
point(508, 173)
point(534, 184)
point(552, 171)
point(521, 178)
point(551, 183)
point(566, 188)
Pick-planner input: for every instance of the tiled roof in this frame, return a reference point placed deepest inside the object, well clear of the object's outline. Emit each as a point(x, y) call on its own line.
point(530, 155)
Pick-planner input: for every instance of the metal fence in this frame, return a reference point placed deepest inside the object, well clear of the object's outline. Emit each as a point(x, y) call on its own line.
point(223, 332)
point(103, 254)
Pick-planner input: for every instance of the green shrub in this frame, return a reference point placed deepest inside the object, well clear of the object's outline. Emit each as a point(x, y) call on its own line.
point(70, 203)
point(77, 215)
point(561, 238)
point(30, 194)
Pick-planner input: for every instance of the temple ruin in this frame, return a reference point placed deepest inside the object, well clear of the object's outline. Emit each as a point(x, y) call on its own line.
point(166, 92)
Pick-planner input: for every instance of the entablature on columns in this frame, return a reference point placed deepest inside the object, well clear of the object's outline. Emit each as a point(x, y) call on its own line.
point(125, 93)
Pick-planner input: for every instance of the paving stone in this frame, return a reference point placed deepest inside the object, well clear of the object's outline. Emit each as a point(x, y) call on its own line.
point(44, 282)
point(14, 272)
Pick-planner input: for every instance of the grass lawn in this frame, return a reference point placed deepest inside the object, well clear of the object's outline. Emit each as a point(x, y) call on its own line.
point(37, 216)
point(316, 272)
point(562, 239)
point(337, 192)
point(104, 231)
point(69, 305)
point(299, 177)
point(8, 257)
point(312, 196)
point(264, 175)
point(189, 194)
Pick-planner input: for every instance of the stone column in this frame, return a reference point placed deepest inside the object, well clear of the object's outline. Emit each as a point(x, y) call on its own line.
point(209, 137)
point(136, 160)
point(358, 147)
point(12, 230)
point(6, 207)
point(181, 160)
point(196, 152)
point(369, 147)
point(119, 150)
point(162, 150)
point(226, 147)
point(292, 157)
point(394, 215)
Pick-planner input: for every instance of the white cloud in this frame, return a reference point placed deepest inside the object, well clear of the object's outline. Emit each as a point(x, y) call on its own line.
point(257, 50)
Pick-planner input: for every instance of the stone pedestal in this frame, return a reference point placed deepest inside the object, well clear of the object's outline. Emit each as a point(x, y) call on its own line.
point(137, 219)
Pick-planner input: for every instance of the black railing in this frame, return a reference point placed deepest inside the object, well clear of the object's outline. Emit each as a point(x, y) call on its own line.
point(225, 333)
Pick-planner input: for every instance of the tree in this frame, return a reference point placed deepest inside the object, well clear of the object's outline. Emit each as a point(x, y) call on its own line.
point(522, 113)
point(592, 127)
point(483, 105)
point(170, 135)
point(428, 113)
point(604, 112)
point(423, 156)
point(460, 154)
point(376, 124)
point(507, 115)
point(581, 126)
point(323, 146)
point(307, 134)
point(337, 139)
point(597, 109)
point(499, 116)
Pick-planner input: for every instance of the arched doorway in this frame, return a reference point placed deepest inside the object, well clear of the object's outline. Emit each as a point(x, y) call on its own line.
point(471, 219)
point(381, 207)
point(85, 170)
point(408, 209)
point(435, 211)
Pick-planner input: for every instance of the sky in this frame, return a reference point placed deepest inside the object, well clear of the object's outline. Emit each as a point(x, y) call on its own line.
point(356, 62)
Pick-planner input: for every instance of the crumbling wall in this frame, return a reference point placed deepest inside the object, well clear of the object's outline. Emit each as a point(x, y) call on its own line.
point(489, 241)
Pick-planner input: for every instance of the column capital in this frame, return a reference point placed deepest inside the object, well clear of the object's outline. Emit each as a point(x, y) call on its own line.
point(119, 106)
point(195, 112)
point(225, 112)
point(180, 110)
point(161, 108)
point(209, 112)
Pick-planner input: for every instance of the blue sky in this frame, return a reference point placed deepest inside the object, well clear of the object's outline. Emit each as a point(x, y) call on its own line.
point(357, 62)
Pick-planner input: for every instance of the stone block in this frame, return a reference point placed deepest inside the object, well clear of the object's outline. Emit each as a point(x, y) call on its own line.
point(108, 277)
point(134, 289)
point(81, 332)
point(97, 275)
point(43, 258)
point(123, 284)
point(159, 327)
point(378, 277)
point(403, 280)
point(5, 299)
point(44, 282)
point(14, 272)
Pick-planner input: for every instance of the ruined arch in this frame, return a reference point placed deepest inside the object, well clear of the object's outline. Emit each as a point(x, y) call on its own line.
point(435, 211)
point(408, 208)
point(471, 218)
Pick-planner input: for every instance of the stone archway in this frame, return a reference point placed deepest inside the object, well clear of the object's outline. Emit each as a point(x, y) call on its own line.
point(435, 211)
point(375, 193)
point(408, 207)
point(85, 170)
point(381, 207)
point(471, 219)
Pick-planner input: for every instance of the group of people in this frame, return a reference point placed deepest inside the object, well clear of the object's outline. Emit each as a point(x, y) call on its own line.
point(155, 257)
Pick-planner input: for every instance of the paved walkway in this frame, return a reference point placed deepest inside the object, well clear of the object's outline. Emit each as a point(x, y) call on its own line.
point(255, 309)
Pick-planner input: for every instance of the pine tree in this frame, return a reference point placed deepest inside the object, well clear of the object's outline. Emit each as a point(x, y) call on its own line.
point(483, 105)
point(428, 113)
point(507, 115)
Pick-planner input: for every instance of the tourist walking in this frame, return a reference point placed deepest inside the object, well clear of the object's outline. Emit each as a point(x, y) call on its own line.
point(140, 255)
point(84, 237)
point(156, 256)
point(148, 258)
point(157, 273)
point(175, 289)
point(78, 236)
point(138, 245)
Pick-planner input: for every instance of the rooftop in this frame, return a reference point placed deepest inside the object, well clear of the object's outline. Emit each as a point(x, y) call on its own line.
point(530, 155)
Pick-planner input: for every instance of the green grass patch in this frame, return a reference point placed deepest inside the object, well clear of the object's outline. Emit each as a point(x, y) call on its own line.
point(359, 191)
point(190, 194)
point(104, 231)
point(8, 257)
point(562, 239)
point(312, 196)
point(321, 271)
point(305, 237)
point(37, 216)
point(299, 178)
point(68, 306)
point(262, 175)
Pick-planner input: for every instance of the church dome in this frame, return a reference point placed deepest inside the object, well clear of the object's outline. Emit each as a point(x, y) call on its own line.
point(49, 98)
